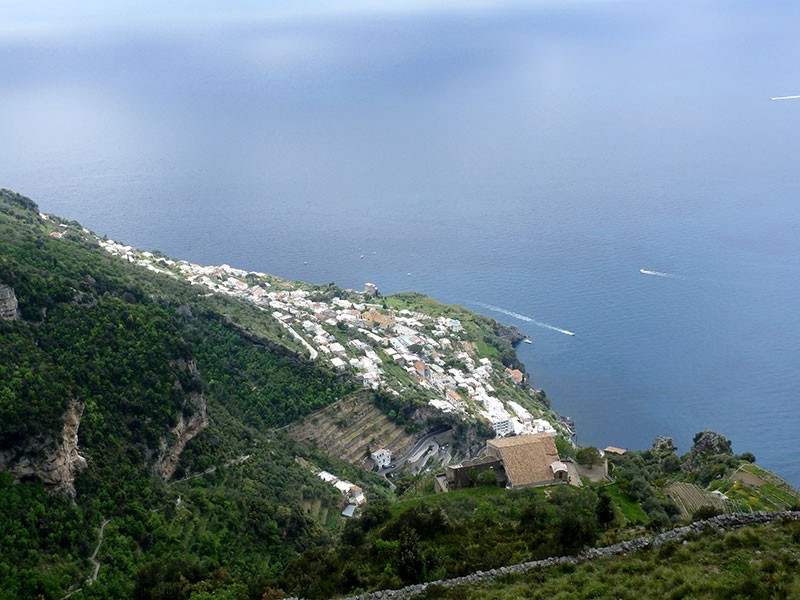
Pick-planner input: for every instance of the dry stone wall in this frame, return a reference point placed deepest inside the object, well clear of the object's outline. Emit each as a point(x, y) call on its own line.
point(720, 523)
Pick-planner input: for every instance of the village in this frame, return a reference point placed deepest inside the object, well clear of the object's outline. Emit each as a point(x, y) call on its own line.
point(364, 337)
point(391, 349)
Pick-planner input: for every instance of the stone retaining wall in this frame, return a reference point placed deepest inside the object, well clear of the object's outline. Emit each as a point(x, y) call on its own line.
point(719, 523)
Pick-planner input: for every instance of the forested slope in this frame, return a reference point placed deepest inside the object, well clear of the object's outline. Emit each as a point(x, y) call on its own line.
point(108, 372)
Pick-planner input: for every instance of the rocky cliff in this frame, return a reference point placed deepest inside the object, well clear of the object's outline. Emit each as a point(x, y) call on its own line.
point(54, 462)
point(191, 421)
point(9, 310)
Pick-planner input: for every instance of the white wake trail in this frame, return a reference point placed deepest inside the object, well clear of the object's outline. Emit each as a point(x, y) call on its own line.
point(526, 318)
point(660, 274)
point(784, 97)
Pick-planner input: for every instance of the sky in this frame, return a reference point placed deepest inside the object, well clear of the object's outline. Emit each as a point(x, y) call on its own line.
point(48, 15)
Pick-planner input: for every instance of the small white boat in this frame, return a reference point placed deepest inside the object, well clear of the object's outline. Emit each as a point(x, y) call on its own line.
point(527, 341)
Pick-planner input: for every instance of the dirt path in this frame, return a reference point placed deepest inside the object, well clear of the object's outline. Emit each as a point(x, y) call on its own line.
point(93, 560)
point(93, 557)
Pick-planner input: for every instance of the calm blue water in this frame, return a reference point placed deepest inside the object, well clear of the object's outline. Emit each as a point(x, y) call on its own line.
point(532, 158)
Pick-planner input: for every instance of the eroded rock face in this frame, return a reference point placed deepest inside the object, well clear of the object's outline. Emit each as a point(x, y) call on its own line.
point(664, 445)
point(54, 462)
point(710, 443)
point(9, 307)
point(186, 427)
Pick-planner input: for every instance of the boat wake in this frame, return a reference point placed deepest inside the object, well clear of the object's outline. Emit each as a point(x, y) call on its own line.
point(525, 318)
point(660, 274)
point(784, 97)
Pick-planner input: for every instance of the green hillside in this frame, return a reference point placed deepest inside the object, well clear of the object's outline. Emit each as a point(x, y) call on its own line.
point(136, 356)
point(149, 446)
point(753, 563)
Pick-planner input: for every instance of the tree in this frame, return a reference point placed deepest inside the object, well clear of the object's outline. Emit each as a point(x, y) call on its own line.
point(564, 447)
point(410, 562)
point(589, 456)
point(605, 508)
point(705, 512)
point(748, 456)
point(671, 464)
point(576, 530)
point(486, 479)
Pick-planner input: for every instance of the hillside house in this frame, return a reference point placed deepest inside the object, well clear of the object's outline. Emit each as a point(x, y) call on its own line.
point(382, 458)
point(516, 375)
point(377, 319)
point(465, 475)
point(529, 460)
point(502, 427)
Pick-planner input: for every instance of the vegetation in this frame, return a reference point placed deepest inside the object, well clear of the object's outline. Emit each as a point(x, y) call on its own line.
point(242, 516)
point(123, 342)
point(636, 483)
point(589, 456)
point(749, 563)
point(448, 535)
point(708, 476)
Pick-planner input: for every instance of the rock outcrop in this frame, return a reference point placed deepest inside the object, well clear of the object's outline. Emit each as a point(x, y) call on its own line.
point(9, 307)
point(664, 445)
point(710, 443)
point(54, 462)
point(187, 427)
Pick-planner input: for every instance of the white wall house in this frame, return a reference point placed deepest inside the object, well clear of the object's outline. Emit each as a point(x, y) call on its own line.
point(502, 427)
point(382, 457)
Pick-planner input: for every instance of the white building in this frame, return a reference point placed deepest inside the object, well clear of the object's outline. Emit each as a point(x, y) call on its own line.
point(382, 457)
point(343, 486)
point(327, 477)
point(502, 427)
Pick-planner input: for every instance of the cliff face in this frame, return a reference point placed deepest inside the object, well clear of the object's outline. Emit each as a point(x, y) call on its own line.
point(54, 462)
point(9, 310)
point(186, 427)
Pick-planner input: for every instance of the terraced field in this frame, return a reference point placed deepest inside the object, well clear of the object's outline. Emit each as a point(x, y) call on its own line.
point(770, 491)
point(750, 488)
point(690, 497)
point(346, 429)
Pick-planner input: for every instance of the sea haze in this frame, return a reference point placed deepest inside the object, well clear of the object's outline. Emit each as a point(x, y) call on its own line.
point(524, 161)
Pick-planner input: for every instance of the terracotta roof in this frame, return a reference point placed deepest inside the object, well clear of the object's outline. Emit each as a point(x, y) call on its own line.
point(453, 395)
point(373, 316)
point(614, 450)
point(515, 374)
point(526, 458)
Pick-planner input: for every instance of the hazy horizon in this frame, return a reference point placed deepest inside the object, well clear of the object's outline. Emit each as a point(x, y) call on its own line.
point(531, 157)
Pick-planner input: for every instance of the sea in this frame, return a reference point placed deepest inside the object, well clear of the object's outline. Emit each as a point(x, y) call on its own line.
point(619, 170)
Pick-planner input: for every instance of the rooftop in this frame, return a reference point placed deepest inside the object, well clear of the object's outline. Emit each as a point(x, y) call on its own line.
point(527, 458)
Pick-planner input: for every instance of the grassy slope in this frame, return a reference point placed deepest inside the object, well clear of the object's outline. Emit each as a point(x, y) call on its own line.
point(447, 535)
point(755, 562)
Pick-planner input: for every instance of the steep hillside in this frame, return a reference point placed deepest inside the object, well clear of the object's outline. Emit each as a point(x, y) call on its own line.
point(170, 431)
point(128, 396)
point(756, 561)
point(350, 427)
